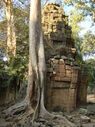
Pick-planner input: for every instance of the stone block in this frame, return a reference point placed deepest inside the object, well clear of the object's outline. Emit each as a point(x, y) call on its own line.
point(57, 84)
point(68, 67)
point(68, 73)
point(72, 98)
point(65, 79)
point(85, 119)
point(74, 72)
point(61, 61)
point(56, 78)
point(73, 85)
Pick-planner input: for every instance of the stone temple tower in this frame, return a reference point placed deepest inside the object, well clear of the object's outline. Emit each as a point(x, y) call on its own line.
point(61, 90)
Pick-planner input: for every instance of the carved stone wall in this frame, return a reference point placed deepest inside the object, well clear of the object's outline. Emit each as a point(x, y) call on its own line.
point(61, 88)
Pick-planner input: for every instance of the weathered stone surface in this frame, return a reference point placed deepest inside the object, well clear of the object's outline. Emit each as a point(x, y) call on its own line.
point(63, 70)
point(56, 29)
point(85, 119)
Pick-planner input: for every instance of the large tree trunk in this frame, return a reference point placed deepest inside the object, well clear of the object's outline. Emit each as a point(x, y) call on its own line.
point(37, 66)
point(36, 54)
point(11, 37)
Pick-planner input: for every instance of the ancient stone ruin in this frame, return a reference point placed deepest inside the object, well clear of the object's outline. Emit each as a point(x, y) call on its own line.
point(66, 81)
point(64, 78)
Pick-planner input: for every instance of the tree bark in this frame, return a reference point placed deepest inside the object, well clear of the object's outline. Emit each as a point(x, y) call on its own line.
point(37, 66)
point(36, 77)
point(11, 37)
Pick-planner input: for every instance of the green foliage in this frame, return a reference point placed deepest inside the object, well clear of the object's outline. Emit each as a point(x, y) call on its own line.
point(14, 72)
point(79, 11)
point(79, 55)
point(91, 68)
point(88, 47)
point(3, 74)
point(85, 6)
point(22, 31)
point(75, 18)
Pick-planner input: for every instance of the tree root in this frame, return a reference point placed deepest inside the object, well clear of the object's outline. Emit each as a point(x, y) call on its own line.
point(22, 113)
point(47, 116)
point(25, 116)
point(15, 109)
point(51, 117)
point(54, 119)
point(64, 120)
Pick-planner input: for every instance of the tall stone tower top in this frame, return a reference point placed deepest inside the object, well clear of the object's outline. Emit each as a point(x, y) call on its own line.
point(57, 32)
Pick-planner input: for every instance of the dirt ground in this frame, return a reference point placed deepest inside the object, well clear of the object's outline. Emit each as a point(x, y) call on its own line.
point(83, 116)
point(91, 98)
